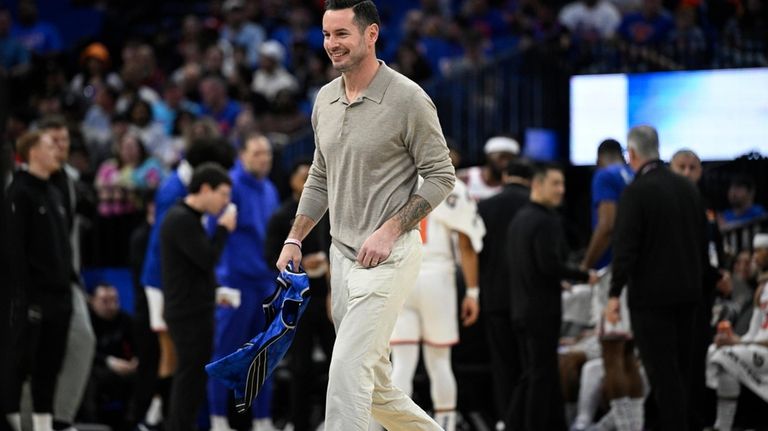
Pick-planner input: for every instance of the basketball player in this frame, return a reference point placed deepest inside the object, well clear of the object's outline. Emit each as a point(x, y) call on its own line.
point(429, 317)
point(734, 361)
point(622, 381)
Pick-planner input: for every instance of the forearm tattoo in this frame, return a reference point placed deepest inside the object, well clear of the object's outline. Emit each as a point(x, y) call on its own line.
point(414, 210)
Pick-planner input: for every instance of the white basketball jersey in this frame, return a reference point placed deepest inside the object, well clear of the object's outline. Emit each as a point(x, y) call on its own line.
point(758, 326)
point(458, 212)
point(476, 185)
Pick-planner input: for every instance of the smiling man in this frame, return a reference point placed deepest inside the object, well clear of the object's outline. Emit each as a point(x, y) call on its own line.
point(376, 132)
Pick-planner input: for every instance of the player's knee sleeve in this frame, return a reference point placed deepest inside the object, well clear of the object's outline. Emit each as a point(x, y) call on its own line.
point(405, 357)
point(442, 381)
point(727, 385)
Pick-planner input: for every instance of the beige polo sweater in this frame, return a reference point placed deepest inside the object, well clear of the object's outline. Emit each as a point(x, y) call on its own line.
point(369, 154)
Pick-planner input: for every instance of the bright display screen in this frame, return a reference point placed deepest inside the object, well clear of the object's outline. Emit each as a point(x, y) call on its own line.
point(719, 114)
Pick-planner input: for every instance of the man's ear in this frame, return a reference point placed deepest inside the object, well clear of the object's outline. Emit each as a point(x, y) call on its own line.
point(372, 33)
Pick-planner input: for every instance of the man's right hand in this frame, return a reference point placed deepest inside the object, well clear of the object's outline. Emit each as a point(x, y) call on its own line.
point(229, 218)
point(612, 311)
point(290, 253)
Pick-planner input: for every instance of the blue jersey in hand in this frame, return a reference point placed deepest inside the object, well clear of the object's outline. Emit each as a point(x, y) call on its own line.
point(246, 369)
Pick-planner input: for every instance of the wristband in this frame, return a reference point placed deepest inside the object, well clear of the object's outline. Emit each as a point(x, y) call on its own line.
point(472, 292)
point(295, 242)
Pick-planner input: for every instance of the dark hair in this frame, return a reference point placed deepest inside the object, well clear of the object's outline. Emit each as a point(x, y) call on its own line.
point(303, 161)
point(208, 173)
point(252, 135)
point(25, 143)
point(520, 168)
point(610, 147)
point(52, 122)
point(540, 170)
point(142, 148)
point(743, 180)
point(365, 11)
point(215, 150)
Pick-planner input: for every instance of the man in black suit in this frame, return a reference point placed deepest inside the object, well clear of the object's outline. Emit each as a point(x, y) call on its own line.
point(660, 255)
point(496, 212)
point(536, 261)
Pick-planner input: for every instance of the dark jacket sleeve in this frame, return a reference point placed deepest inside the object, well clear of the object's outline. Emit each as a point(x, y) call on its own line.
point(627, 240)
point(201, 250)
point(19, 211)
point(547, 246)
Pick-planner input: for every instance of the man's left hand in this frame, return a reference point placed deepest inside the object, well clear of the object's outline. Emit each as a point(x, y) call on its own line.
point(377, 247)
point(470, 310)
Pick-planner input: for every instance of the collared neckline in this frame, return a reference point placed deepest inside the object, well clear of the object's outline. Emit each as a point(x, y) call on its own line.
point(375, 90)
point(649, 166)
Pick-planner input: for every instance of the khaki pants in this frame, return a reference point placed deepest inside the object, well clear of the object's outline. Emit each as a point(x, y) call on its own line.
point(365, 305)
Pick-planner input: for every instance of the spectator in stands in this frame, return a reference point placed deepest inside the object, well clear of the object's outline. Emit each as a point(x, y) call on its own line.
point(302, 28)
point(132, 75)
point(94, 71)
point(590, 20)
point(216, 62)
point(271, 76)
point(472, 59)
point(746, 35)
point(154, 76)
point(485, 181)
point(189, 257)
point(741, 197)
point(114, 366)
point(217, 105)
point(243, 267)
point(736, 361)
point(151, 132)
point(285, 116)
point(411, 62)
point(536, 261)
point(687, 43)
point(41, 268)
point(650, 26)
point(97, 124)
point(238, 31)
point(38, 37)
point(497, 211)
point(120, 183)
point(660, 254)
point(14, 57)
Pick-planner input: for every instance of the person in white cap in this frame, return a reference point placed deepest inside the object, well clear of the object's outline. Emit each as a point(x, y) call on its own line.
point(271, 76)
point(735, 361)
point(485, 181)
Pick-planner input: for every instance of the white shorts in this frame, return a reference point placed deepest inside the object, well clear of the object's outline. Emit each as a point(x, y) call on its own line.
point(590, 346)
point(746, 362)
point(430, 314)
point(623, 328)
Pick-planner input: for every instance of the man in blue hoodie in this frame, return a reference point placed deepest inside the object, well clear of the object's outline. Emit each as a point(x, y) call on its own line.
point(244, 268)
